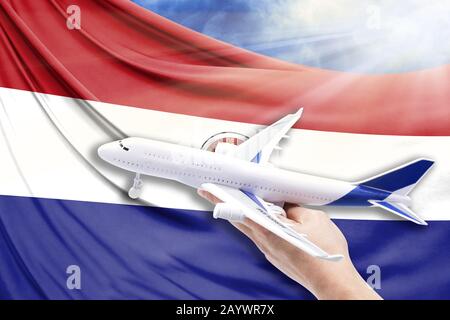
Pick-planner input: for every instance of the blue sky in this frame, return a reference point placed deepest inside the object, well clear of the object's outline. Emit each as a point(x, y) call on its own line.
point(353, 35)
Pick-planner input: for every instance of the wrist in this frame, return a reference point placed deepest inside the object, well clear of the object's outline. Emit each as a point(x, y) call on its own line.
point(342, 283)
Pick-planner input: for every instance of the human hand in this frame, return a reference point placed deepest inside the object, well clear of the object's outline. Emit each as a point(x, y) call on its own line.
point(324, 279)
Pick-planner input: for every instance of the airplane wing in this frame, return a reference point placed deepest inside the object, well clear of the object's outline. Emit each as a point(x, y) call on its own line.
point(400, 210)
point(260, 146)
point(256, 209)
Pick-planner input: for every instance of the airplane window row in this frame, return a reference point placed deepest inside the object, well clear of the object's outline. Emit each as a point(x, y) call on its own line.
point(202, 165)
point(126, 162)
point(174, 172)
point(157, 156)
point(240, 184)
point(226, 181)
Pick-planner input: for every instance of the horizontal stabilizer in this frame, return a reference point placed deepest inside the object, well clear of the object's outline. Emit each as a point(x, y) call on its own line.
point(400, 210)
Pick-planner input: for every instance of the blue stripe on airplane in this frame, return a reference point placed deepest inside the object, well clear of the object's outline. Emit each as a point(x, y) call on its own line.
point(254, 199)
point(394, 208)
point(257, 158)
point(360, 196)
point(401, 177)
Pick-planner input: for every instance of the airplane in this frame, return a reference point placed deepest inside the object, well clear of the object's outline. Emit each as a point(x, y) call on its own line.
point(251, 187)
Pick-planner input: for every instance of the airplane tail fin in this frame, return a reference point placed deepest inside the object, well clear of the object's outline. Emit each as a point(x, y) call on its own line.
point(400, 180)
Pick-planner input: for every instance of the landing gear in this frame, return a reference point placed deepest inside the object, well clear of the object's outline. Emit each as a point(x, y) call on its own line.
point(136, 190)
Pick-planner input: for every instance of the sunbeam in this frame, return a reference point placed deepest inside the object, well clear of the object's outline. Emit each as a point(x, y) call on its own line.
point(344, 35)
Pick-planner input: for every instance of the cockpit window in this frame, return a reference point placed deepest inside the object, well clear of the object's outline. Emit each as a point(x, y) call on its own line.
point(122, 146)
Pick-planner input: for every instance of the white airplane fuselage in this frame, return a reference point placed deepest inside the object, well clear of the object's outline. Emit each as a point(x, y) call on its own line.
point(195, 167)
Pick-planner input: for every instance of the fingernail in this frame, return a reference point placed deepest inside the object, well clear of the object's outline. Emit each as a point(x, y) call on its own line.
point(201, 193)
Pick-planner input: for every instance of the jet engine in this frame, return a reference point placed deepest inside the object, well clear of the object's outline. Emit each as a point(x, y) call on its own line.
point(228, 212)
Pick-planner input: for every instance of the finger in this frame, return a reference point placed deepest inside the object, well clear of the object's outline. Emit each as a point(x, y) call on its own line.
point(208, 196)
point(299, 214)
point(258, 232)
point(243, 228)
point(262, 237)
point(294, 211)
point(251, 235)
point(287, 206)
point(255, 227)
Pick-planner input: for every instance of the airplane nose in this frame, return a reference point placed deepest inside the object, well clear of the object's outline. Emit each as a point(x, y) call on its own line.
point(104, 151)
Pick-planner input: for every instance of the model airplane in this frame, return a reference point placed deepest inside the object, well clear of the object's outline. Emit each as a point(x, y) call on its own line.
point(241, 177)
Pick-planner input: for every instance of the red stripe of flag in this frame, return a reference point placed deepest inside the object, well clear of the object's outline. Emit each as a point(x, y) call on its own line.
point(127, 55)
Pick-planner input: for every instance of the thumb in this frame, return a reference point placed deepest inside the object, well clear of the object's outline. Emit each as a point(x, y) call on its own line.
point(208, 196)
